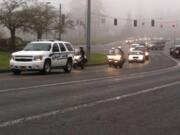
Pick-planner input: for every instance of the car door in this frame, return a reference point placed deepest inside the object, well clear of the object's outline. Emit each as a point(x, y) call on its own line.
point(56, 55)
point(63, 54)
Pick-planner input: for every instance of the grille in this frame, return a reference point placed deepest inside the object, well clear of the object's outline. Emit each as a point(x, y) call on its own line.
point(23, 58)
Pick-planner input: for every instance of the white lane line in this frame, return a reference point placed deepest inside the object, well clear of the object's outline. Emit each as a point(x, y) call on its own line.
point(75, 108)
point(130, 76)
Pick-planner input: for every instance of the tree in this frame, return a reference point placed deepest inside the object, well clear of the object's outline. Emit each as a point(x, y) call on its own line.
point(10, 17)
point(39, 18)
point(61, 27)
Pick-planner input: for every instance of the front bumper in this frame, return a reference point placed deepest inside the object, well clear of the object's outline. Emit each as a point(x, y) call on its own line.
point(136, 60)
point(27, 66)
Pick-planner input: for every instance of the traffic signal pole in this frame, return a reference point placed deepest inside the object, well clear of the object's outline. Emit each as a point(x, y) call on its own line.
point(88, 38)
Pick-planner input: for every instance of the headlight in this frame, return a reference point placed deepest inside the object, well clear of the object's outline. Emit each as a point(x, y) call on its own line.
point(38, 58)
point(109, 57)
point(177, 51)
point(146, 53)
point(117, 57)
point(141, 57)
point(77, 57)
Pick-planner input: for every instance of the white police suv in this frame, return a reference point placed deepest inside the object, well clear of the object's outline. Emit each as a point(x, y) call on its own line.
point(43, 56)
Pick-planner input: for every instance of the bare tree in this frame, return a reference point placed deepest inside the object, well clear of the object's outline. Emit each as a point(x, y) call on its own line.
point(39, 18)
point(10, 17)
point(65, 24)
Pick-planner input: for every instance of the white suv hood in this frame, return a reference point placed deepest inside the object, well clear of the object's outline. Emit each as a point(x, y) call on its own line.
point(30, 53)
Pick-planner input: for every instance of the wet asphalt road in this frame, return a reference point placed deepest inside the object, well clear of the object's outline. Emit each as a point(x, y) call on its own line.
point(140, 99)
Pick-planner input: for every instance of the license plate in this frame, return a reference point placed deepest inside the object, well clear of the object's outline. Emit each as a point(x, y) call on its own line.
point(23, 67)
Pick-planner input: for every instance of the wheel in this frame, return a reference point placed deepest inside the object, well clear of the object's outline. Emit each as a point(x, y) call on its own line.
point(143, 61)
point(16, 72)
point(110, 65)
point(47, 67)
point(68, 67)
point(115, 66)
point(82, 66)
point(120, 65)
point(75, 66)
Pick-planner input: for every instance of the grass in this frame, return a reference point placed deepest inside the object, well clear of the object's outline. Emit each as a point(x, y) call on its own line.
point(4, 60)
point(97, 59)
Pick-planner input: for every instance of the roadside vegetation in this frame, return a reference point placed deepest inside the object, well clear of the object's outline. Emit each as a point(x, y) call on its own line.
point(4, 60)
point(97, 59)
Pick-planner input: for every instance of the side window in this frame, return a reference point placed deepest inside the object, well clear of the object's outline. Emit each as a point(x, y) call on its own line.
point(63, 49)
point(69, 47)
point(55, 48)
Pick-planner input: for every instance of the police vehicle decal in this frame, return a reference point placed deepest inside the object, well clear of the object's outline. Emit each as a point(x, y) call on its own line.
point(59, 56)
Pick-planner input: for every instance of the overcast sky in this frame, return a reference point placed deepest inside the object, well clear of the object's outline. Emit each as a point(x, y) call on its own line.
point(120, 7)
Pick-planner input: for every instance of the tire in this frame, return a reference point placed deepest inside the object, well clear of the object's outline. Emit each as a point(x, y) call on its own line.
point(75, 66)
point(110, 65)
point(115, 66)
point(16, 72)
point(47, 67)
point(121, 65)
point(82, 66)
point(68, 67)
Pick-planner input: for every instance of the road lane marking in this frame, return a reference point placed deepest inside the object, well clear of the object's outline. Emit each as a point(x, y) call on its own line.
point(88, 105)
point(130, 76)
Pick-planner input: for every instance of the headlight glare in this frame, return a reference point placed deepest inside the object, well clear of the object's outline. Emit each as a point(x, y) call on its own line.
point(38, 58)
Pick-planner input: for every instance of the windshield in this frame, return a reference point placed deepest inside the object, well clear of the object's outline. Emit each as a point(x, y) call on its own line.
point(136, 53)
point(117, 51)
point(38, 47)
point(133, 46)
point(111, 52)
point(140, 48)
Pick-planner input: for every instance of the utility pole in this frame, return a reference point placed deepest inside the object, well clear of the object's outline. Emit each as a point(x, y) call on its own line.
point(47, 3)
point(88, 40)
point(60, 21)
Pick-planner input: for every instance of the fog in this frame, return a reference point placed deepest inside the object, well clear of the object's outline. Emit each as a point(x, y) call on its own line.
point(121, 7)
point(164, 12)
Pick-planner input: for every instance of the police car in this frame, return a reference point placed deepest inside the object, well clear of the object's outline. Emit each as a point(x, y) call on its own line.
point(136, 56)
point(43, 56)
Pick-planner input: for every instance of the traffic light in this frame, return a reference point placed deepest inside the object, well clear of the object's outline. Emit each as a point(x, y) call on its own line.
point(115, 21)
point(152, 23)
point(173, 25)
point(135, 23)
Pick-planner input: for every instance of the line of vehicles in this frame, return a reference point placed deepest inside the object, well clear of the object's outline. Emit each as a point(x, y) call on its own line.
point(138, 53)
point(46, 55)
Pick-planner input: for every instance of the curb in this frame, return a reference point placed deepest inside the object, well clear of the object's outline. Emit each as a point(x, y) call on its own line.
point(91, 65)
point(5, 71)
point(88, 65)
